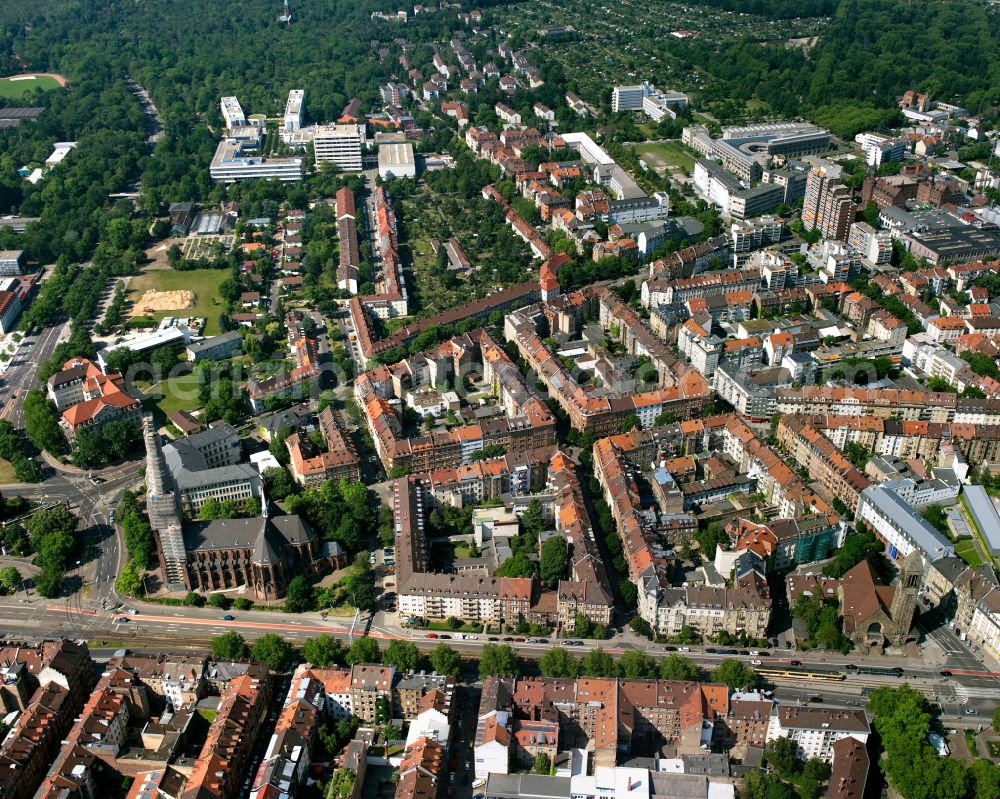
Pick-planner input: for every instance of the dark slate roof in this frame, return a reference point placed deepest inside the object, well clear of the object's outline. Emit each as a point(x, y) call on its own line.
point(267, 537)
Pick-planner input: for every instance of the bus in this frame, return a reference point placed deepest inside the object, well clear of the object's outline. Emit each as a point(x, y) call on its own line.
point(791, 673)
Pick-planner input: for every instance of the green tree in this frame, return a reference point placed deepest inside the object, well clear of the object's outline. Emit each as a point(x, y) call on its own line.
point(542, 765)
point(193, 599)
point(630, 422)
point(130, 582)
point(403, 655)
point(50, 521)
point(299, 596)
point(553, 561)
point(678, 667)
point(220, 601)
point(498, 660)
point(532, 521)
point(637, 665)
point(857, 547)
point(781, 756)
point(734, 674)
point(764, 785)
point(49, 582)
point(598, 663)
point(557, 662)
point(816, 769)
point(363, 650)
point(10, 579)
point(242, 603)
point(996, 719)
point(210, 510)
point(323, 650)
point(40, 422)
point(985, 779)
point(520, 565)
point(445, 660)
point(273, 650)
point(278, 483)
point(251, 508)
point(230, 646)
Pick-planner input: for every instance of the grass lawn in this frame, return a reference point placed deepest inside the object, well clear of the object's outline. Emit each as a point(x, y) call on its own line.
point(11, 89)
point(203, 282)
point(670, 153)
point(967, 552)
point(178, 394)
point(7, 473)
point(341, 611)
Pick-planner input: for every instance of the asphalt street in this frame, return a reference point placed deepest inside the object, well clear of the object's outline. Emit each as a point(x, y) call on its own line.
point(22, 375)
point(967, 697)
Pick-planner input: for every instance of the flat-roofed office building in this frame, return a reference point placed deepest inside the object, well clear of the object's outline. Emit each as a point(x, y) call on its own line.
point(339, 144)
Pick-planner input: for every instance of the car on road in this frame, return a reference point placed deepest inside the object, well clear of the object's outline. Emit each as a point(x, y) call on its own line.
point(670, 648)
point(111, 516)
point(121, 620)
point(519, 640)
point(850, 666)
point(971, 711)
point(133, 611)
point(794, 662)
point(541, 640)
point(96, 480)
point(432, 635)
point(227, 617)
point(756, 662)
point(817, 699)
point(684, 649)
point(943, 673)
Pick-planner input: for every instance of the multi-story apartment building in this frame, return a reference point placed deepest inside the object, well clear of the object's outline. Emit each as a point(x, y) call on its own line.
point(816, 730)
point(814, 452)
point(371, 686)
point(883, 403)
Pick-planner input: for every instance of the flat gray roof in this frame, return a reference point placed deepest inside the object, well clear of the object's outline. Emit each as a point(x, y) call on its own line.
point(984, 514)
point(527, 786)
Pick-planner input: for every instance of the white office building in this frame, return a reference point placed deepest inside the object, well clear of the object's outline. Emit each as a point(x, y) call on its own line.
point(629, 98)
point(293, 109)
point(232, 163)
point(340, 145)
point(880, 149)
point(232, 112)
point(10, 262)
point(903, 529)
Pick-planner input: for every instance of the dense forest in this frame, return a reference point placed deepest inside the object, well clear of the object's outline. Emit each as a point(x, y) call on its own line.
point(188, 53)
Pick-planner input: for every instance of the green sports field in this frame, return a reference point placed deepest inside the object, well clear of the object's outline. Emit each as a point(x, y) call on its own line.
point(15, 88)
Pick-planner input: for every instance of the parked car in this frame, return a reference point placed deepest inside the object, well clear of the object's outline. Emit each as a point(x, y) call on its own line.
point(432, 635)
point(444, 637)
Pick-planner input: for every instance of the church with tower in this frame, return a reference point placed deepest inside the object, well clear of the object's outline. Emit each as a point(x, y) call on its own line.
point(875, 615)
point(259, 555)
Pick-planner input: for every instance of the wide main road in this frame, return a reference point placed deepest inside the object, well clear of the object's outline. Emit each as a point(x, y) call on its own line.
point(968, 696)
point(22, 375)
